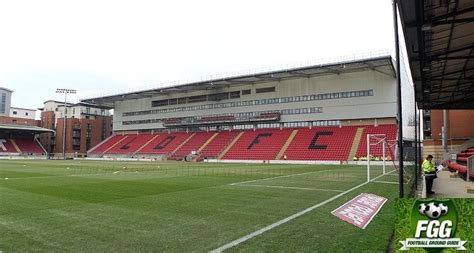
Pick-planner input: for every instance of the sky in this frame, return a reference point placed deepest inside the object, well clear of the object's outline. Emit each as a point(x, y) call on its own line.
point(102, 47)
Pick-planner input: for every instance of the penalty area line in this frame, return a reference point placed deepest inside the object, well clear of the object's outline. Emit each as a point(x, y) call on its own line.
point(287, 219)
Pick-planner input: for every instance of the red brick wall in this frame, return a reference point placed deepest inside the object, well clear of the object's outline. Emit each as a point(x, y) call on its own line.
point(47, 121)
point(19, 121)
point(460, 124)
point(82, 124)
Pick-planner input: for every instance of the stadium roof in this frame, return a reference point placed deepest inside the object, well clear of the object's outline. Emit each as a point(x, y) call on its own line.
point(439, 39)
point(61, 104)
point(23, 128)
point(382, 64)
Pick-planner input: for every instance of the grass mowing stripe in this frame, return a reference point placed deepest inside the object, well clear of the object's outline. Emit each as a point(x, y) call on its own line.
point(285, 220)
point(287, 187)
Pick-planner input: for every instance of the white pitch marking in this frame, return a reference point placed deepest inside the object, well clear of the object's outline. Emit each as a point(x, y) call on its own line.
point(268, 178)
point(285, 220)
point(288, 187)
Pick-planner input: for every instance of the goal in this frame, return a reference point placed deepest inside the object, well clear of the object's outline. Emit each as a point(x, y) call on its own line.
point(381, 156)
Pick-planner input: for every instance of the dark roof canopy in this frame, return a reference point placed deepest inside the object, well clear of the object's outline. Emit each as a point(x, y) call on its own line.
point(439, 38)
point(382, 64)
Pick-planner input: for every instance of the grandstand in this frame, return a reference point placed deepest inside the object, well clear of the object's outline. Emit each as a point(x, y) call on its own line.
point(460, 165)
point(312, 113)
point(21, 141)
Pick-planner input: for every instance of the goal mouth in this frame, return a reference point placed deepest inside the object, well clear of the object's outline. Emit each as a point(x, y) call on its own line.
point(383, 152)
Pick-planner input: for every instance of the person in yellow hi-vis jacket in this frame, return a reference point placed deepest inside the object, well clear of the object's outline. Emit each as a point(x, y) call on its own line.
point(430, 173)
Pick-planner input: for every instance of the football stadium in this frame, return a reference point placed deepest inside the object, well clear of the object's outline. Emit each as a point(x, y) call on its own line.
point(302, 159)
point(223, 164)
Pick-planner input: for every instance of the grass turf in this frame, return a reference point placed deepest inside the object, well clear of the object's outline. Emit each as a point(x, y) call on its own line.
point(57, 206)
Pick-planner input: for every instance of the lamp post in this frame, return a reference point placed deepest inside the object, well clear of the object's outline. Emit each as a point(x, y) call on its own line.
point(65, 91)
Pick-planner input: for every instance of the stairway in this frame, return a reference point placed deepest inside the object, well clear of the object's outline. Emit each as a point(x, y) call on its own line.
point(115, 144)
point(182, 144)
point(15, 146)
point(286, 145)
point(144, 145)
point(222, 154)
point(207, 142)
point(355, 144)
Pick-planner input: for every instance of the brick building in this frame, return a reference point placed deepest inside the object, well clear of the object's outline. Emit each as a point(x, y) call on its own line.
point(86, 126)
point(14, 115)
point(460, 130)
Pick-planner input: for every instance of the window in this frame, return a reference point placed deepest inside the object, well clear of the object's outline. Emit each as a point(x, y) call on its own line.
point(173, 101)
point(157, 103)
point(264, 90)
point(246, 92)
point(14, 113)
point(26, 114)
point(181, 101)
point(235, 94)
point(3, 103)
point(196, 99)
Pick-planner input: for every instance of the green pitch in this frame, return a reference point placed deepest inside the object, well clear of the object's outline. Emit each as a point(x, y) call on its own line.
point(90, 206)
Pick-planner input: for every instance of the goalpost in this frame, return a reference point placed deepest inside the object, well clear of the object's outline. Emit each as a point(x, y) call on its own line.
point(380, 150)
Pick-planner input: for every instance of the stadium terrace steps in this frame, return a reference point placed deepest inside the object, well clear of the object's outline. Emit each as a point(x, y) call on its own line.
point(130, 144)
point(217, 145)
point(193, 143)
point(389, 130)
point(123, 137)
point(100, 144)
point(105, 145)
point(322, 143)
point(144, 145)
point(261, 144)
point(332, 143)
point(231, 144)
point(15, 145)
point(208, 141)
point(28, 146)
point(355, 144)
point(164, 144)
point(183, 143)
point(287, 144)
point(7, 146)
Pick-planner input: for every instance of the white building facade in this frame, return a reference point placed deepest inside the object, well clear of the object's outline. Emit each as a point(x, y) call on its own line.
point(346, 93)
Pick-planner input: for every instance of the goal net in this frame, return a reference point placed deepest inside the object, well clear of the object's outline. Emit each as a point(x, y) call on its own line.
point(381, 156)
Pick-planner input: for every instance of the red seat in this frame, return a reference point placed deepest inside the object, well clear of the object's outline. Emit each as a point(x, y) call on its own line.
point(165, 143)
point(7, 146)
point(130, 144)
point(262, 144)
point(102, 147)
point(321, 143)
point(28, 145)
point(192, 145)
point(390, 132)
point(218, 144)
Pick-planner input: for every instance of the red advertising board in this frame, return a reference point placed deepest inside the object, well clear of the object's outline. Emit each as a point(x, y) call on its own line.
point(360, 210)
